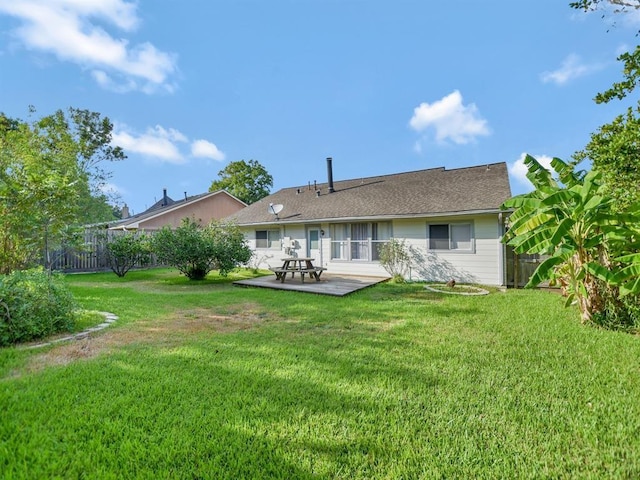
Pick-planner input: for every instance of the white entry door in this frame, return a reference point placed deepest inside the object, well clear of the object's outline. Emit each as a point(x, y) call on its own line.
point(313, 245)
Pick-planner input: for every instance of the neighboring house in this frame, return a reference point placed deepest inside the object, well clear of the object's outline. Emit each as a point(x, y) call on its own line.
point(203, 208)
point(450, 219)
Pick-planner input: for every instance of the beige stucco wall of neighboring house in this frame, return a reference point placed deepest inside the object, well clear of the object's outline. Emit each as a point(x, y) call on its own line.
point(210, 208)
point(481, 265)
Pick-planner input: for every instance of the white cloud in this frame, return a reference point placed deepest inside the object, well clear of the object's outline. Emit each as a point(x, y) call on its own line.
point(451, 119)
point(68, 30)
point(105, 81)
point(622, 48)
point(163, 144)
point(572, 67)
point(157, 143)
point(631, 18)
point(206, 149)
point(171, 134)
point(518, 170)
point(111, 189)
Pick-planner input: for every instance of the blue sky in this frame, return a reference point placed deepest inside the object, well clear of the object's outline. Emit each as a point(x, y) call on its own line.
point(380, 86)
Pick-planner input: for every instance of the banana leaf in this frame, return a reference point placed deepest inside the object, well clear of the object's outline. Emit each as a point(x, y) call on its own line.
point(543, 272)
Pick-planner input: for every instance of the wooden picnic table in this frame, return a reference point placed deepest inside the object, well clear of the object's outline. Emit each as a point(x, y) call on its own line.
point(301, 265)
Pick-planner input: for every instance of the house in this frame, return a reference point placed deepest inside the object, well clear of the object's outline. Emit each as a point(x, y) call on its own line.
point(450, 219)
point(203, 208)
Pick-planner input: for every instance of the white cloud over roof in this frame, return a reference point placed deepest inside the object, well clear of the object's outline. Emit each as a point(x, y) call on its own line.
point(73, 31)
point(206, 149)
point(518, 169)
point(451, 120)
point(163, 144)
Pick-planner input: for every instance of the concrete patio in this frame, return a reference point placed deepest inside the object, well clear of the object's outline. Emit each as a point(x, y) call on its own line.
point(336, 285)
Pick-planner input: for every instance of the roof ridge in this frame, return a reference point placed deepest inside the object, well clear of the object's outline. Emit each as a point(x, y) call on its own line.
point(412, 172)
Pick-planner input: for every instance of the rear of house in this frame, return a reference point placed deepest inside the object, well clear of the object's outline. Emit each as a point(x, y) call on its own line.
point(450, 219)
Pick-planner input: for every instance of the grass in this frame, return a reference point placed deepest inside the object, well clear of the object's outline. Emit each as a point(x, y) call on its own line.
point(208, 380)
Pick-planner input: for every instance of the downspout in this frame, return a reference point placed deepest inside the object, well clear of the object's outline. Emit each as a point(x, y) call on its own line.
point(503, 250)
point(321, 234)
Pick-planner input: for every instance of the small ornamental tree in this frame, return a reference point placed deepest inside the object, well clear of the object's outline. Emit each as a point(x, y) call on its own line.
point(196, 250)
point(395, 259)
point(592, 249)
point(125, 251)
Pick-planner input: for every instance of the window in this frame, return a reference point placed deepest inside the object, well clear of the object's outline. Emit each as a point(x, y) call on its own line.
point(358, 241)
point(450, 236)
point(268, 239)
point(314, 240)
point(381, 234)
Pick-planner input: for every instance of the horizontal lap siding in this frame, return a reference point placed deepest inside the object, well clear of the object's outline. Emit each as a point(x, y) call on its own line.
point(482, 266)
point(271, 257)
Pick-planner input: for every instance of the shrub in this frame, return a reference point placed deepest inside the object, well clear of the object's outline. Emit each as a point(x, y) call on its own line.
point(34, 304)
point(395, 259)
point(125, 251)
point(196, 250)
point(619, 313)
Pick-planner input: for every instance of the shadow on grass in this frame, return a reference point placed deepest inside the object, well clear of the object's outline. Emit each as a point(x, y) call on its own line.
point(224, 409)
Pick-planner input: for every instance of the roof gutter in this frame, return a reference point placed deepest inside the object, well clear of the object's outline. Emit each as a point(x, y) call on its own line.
point(376, 217)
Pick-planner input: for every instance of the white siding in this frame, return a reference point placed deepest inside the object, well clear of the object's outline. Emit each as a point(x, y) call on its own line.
point(480, 266)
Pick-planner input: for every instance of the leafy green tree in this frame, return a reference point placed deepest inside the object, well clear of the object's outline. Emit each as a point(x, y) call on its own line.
point(125, 251)
point(196, 250)
point(606, 6)
point(614, 149)
point(48, 170)
point(591, 248)
point(38, 189)
point(247, 181)
point(92, 133)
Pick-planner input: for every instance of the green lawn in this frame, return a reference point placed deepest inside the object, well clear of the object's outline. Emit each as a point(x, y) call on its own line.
point(208, 380)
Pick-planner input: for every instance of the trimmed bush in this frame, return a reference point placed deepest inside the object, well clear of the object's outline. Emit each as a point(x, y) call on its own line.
point(196, 250)
point(126, 251)
point(33, 305)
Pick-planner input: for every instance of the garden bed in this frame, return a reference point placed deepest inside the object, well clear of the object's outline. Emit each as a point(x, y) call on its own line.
point(457, 289)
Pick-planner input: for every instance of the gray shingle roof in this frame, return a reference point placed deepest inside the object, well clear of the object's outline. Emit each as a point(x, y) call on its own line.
point(420, 193)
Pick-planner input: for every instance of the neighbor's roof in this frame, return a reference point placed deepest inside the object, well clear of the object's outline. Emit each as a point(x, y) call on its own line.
point(157, 209)
point(420, 193)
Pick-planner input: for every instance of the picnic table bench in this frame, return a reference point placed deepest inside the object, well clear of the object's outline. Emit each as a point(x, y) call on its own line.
point(301, 265)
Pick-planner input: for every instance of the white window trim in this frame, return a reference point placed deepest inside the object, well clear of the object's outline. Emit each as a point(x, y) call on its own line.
point(370, 243)
point(450, 250)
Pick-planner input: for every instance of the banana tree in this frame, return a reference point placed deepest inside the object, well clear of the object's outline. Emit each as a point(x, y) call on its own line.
point(569, 219)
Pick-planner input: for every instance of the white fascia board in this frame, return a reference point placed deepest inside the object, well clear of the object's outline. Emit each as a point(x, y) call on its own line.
point(465, 213)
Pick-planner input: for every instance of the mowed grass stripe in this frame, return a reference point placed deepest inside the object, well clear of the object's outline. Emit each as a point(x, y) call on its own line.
point(209, 380)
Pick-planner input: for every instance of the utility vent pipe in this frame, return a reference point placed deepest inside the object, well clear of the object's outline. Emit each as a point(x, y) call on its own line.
point(330, 174)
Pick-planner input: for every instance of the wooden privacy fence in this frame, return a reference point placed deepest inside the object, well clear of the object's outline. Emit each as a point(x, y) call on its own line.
point(91, 256)
point(520, 268)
